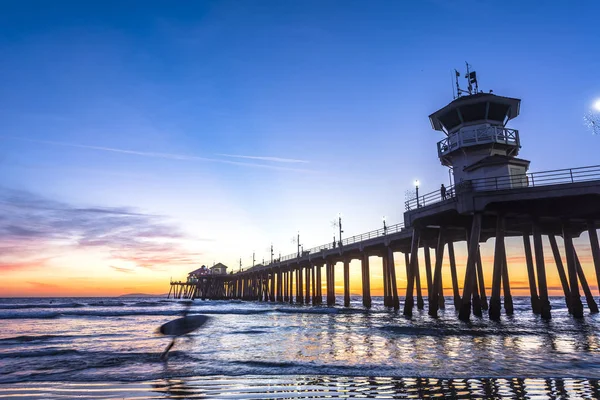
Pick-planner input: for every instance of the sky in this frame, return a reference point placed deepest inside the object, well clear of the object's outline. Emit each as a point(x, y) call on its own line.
point(142, 139)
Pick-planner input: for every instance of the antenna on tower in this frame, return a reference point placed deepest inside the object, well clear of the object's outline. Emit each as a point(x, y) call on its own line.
point(472, 80)
point(458, 91)
point(472, 84)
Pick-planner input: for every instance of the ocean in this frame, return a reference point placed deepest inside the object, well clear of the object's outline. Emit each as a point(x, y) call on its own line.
point(109, 348)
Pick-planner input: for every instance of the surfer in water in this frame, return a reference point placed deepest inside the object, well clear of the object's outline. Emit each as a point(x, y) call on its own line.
point(180, 327)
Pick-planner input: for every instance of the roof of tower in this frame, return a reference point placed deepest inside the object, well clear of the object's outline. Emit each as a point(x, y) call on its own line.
point(473, 108)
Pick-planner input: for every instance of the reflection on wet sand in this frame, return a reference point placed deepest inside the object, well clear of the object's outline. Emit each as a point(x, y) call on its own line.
point(374, 387)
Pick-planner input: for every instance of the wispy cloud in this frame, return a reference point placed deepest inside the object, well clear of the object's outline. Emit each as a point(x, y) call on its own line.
point(263, 158)
point(172, 156)
point(42, 285)
point(30, 264)
point(121, 269)
point(31, 225)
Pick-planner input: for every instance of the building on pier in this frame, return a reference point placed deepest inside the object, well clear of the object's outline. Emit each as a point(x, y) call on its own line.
point(218, 269)
point(493, 197)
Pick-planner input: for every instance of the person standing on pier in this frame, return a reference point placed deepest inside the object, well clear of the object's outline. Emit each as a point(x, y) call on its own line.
point(443, 192)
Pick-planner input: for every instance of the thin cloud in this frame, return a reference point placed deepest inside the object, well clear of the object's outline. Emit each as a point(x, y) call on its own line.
point(122, 269)
point(170, 156)
point(33, 225)
point(42, 285)
point(262, 158)
point(23, 265)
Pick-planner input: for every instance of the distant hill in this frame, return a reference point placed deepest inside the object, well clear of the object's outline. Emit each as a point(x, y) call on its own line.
point(142, 295)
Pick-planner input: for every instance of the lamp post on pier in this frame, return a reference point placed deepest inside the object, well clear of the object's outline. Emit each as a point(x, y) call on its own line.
point(417, 192)
point(298, 245)
point(340, 226)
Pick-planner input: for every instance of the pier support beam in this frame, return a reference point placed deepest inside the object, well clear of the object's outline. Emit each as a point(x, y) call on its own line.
point(330, 283)
point(313, 270)
point(477, 311)
point(535, 300)
point(561, 270)
point(412, 267)
point(420, 302)
point(589, 299)
point(541, 272)
point(307, 272)
point(508, 300)
point(455, 290)
point(440, 289)
point(482, 294)
point(291, 282)
point(593, 234)
point(407, 264)
point(389, 278)
point(279, 285)
point(319, 285)
point(476, 300)
point(273, 285)
point(436, 287)
point(300, 285)
point(285, 287)
point(386, 291)
point(366, 275)
point(429, 277)
point(465, 308)
point(346, 282)
point(392, 270)
point(574, 296)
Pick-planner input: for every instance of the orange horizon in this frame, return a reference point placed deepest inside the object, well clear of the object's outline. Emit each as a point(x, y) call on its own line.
point(61, 276)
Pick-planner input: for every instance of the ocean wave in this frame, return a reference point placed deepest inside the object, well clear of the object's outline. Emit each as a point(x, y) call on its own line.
point(307, 310)
point(148, 311)
point(247, 332)
point(38, 306)
point(106, 304)
point(30, 315)
point(32, 338)
point(145, 304)
point(44, 338)
point(120, 313)
point(48, 352)
point(438, 331)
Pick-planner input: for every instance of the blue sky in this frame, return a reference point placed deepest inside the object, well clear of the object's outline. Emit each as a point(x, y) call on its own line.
point(142, 104)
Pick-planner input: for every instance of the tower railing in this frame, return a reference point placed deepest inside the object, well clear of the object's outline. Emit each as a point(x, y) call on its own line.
point(482, 135)
point(508, 182)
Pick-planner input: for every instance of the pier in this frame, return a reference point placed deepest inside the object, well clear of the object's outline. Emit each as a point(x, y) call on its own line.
point(493, 197)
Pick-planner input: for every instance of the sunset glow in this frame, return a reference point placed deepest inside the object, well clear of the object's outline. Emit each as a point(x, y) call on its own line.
point(140, 145)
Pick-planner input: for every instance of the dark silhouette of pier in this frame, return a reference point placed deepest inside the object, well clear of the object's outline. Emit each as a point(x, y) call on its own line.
point(494, 197)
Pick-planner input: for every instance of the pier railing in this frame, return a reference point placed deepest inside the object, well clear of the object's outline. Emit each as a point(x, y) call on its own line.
point(349, 240)
point(507, 182)
point(431, 198)
point(544, 178)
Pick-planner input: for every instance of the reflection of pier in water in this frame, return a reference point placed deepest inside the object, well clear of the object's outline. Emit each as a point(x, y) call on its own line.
point(495, 198)
point(374, 387)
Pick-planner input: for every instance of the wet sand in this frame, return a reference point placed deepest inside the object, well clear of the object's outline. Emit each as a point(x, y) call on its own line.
point(314, 387)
